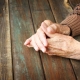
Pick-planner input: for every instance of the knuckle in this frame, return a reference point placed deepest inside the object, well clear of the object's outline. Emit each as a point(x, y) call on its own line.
point(46, 21)
point(38, 30)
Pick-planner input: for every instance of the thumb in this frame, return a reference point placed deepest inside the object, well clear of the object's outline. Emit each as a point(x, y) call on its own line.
point(58, 28)
point(52, 29)
point(48, 30)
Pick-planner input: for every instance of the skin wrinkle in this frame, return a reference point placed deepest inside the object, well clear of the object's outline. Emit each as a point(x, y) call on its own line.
point(63, 29)
point(59, 52)
point(68, 52)
point(57, 49)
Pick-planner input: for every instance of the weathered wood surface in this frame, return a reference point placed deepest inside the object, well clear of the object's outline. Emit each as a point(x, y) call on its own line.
point(75, 63)
point(5, 43)
point(26, 62)
point(60, 9)
point(55, 68)
point(25, 18)
point(73, 3)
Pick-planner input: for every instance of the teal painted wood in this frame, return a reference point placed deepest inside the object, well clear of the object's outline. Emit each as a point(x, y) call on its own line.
point(55, 68)
point(26, 62)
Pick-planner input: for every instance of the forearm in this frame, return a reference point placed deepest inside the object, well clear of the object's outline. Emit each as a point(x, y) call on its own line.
point(73, 21)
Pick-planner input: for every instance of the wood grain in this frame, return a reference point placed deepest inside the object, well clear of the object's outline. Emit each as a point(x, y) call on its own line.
point(26, 62)
point(5, 43)
point(60, 9)
point(73, 3)
point(55, 68)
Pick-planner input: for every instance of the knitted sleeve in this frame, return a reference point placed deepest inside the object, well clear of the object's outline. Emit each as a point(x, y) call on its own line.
point(73, 21)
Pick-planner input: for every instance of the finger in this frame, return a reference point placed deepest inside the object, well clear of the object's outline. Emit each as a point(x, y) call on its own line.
point(48, 22)
point(42, 37)
point(33, 43)
point(52, 29)
point(39, 43)
point(27, 41)
point(44, 27)
point(58, 28)
point(63, 29)
point(49, 31)
point(30, 44)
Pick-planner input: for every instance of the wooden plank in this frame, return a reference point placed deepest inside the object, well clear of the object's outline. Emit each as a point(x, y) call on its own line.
point(5, 43)
point(75, 63)
point(55, 68)
point(26, 62)
point(60, 9)
point(73, 3)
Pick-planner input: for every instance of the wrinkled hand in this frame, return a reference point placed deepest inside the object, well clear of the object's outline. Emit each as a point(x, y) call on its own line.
point(61, 45)
point(38, 40)
point(64, 46)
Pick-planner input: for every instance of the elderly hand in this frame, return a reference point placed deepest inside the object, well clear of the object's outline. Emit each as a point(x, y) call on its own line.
point(64, 46)
point(38, 40)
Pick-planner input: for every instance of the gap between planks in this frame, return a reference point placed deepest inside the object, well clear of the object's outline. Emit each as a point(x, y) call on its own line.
point(8, 41)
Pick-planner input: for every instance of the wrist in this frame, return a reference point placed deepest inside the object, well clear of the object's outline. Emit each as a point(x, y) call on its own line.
point(63, 29)
point(67, 30)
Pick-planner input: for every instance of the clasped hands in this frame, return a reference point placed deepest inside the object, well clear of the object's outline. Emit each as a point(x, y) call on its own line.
point(53, 39)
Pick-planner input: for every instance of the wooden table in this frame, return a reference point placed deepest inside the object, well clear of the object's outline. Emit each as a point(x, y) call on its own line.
point(19, 19)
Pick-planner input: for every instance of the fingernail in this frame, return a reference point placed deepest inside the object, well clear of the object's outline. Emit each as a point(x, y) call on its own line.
point(36, 48)
point(25, 43)
point(44, 25)
point(45, 44)
point(43, 50)
point(50, 30)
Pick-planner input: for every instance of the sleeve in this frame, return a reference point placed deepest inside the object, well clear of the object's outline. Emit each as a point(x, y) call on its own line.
point(73, 21)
